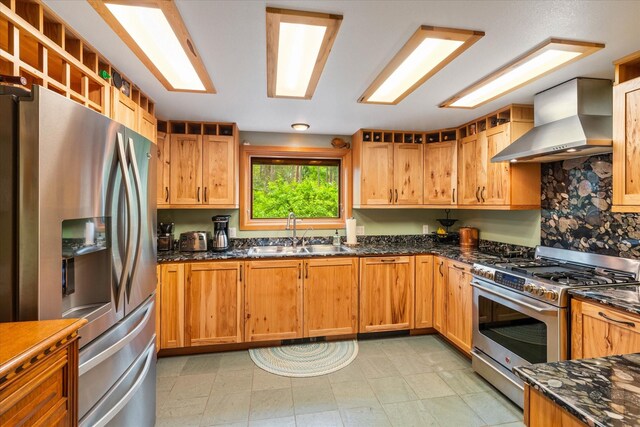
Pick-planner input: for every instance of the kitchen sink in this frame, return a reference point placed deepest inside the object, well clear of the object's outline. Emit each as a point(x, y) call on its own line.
point(300, 250)
point(327, 249)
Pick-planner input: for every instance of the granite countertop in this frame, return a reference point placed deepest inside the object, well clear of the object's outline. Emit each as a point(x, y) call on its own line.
point(600, 392)
point(442, 249)
point(623, 297)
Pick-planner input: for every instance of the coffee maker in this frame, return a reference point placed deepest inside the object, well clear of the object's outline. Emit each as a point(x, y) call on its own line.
point(220, 233)
point(165, 236)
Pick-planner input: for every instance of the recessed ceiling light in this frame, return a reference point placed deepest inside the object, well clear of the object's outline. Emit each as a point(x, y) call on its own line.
point(298, 45)
point(541, 60)
point(155, 32)
point(300, 127)
point(514, 160)
point(427, 51)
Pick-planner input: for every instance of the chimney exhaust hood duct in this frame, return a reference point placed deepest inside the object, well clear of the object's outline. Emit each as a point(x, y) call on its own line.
point(573, 119)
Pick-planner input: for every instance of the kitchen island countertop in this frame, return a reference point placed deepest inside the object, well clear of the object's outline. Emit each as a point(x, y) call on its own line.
point(600, 392)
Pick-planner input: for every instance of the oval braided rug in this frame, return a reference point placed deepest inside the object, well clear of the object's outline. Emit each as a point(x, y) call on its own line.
point(305, 360)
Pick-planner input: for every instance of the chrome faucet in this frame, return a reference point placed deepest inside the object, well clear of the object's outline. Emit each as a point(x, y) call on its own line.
point(294, 238)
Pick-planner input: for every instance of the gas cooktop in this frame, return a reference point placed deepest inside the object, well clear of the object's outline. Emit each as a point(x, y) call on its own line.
point(553, 272)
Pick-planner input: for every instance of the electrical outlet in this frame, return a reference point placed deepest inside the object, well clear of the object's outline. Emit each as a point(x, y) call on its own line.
point(232, 232)
point(425, 229)
point(360, 230)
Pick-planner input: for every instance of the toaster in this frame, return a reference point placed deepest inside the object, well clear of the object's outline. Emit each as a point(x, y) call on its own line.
point(194, 241)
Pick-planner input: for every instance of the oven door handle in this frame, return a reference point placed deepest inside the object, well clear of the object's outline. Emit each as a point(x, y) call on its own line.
point(522, 303)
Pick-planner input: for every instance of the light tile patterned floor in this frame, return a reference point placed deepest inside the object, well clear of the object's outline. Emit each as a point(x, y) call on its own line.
point(407, 381)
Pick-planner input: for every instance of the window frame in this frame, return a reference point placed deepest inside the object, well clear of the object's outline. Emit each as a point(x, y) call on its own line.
point(247, 152)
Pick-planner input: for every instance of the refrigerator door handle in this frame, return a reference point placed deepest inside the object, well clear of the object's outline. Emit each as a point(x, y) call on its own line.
point(122, 159)
point(118, 345)
point(138, 187)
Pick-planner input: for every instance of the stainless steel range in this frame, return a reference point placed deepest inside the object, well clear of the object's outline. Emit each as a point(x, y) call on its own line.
point(520, 309)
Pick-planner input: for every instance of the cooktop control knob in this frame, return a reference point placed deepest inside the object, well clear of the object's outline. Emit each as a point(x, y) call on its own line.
point(540, 291)
point(551, 295)
point(528, 287)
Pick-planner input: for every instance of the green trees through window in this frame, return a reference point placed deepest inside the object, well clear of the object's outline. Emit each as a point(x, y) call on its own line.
point(308, 187)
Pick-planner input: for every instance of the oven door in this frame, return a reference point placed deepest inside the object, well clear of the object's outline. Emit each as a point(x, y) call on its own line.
point(511, 329)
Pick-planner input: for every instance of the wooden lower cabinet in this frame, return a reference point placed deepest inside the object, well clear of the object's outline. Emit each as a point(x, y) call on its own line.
point(459, 299)
point(440, 294)
point(540, 411)
point(39, 373)
point(599, 331)
point(386, 293)
point(424, 291)
point(171, 305)
point(213, 303)
point(273, 300)
point(330, 296)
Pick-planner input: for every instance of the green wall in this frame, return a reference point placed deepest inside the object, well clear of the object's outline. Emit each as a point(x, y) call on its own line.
point(517, 227)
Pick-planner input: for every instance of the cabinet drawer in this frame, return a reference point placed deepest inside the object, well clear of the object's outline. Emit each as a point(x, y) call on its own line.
point(39, 394)
point(617, 318)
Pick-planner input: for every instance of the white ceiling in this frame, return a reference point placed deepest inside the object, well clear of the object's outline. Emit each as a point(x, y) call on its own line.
point(230, 36)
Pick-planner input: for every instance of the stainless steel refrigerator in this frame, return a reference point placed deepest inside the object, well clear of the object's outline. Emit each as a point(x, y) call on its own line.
point(78, 214)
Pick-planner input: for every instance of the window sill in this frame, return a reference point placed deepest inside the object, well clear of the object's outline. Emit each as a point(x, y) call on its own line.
point(266, 224)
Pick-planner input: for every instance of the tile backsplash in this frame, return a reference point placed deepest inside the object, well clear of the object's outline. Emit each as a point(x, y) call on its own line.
point(576, 209)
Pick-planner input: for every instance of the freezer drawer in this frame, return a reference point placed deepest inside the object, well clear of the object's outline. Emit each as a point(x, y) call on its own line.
point(132, 399)
point(104, 362)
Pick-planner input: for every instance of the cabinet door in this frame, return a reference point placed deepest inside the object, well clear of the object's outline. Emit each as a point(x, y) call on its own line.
point(377, 173)
point(386, 293)
point(407, 173)
point(273, 300)
point(171, 306)
point(424, 291)
point(147, 125)
point(480, 157)
point(218, 175)
point(459, 300)
point(186, 170)
point(163, 169)
point(626, 145)
point(330, 296)
point(213, 303)
point(467, 171)
point(497, 192)
point(440, 173)
point(599, 331)
point(440, 295)
point(123, 109)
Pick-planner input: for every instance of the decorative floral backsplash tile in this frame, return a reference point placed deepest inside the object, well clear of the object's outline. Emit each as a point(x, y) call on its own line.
point(576, 209)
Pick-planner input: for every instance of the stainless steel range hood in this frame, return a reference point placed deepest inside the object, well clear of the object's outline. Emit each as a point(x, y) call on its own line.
point(571, 120)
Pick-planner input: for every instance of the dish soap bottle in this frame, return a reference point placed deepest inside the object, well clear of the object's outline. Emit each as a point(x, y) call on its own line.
point(336, 239)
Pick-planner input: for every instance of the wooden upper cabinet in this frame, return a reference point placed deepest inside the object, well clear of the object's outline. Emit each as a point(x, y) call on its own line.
point(123, 109)
point(440, 295)
point(467, 171)
point(496, 190)
point(213, 303)
point(147, 125)
point(386, 293)
point(273, 300)
point(171, 305)
point(407, 174)
point(459, 299)
point(330, 296)
point(599, 331)
point(186, 169)
point(626, 146)
point(377, 174)
point(218, 170)
point(424, 291)
point(163, 169)
point(440, 173)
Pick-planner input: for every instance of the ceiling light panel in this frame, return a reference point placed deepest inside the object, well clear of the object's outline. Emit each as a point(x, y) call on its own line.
point(427, 51)
point(543, 59)
point(154, 31)
point(298, 45)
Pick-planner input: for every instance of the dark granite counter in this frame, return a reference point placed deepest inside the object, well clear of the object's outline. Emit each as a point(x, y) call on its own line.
point(625, 298)
point(600, 392)
point(374, 248)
